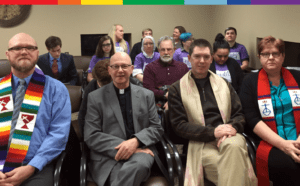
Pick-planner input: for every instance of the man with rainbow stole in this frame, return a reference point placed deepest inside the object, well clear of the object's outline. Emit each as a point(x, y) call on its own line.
point(206, 112)
point(35, 115)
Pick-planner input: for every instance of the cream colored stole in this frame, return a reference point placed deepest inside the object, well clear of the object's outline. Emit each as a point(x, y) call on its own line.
point(191, 101)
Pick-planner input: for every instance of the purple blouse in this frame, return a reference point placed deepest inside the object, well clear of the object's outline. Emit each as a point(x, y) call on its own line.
point(141, 61)
point(93, 62)
point(157, 74)
point(182, 56)
point(239, 53)
point(120, 49)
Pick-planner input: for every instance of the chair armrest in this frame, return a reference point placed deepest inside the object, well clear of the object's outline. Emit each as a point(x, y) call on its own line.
point(251, 150)
point(169, 173)
point(83, 164)
point(58, 166)
point(179, 167)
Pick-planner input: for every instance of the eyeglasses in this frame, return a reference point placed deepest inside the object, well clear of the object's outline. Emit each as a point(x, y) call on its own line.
point(205, 57)
point(117, 67)
point(28, 48)
point(267, 55)
point(145, 44)
point(221, 56)
point(104, 45)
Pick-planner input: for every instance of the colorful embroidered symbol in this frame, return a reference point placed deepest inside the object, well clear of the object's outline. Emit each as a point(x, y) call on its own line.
point(297, 99)
point(266, 111)
point(26, 119)
point(3, 102)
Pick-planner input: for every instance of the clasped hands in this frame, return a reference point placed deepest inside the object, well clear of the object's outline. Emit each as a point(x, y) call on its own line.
point(224, 131)
point(129, 147)
point(16, 176)
point(292, 148)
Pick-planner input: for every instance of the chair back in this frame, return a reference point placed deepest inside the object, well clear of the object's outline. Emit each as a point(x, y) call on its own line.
point(5, 67)
point(82, 62)
point(75, 96)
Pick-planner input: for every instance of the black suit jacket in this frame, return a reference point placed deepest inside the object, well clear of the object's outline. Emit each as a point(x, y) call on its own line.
point(68, 73)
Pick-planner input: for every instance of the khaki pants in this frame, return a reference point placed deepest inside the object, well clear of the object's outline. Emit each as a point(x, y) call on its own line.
point(228, 165)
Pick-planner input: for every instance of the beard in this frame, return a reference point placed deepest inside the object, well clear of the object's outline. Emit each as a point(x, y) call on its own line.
point(24, 68)
point(166, 58)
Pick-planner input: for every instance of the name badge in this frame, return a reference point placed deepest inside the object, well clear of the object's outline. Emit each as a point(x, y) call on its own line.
point(295, 97)
point(119, 49)
point(234, 55)
point(186, 61)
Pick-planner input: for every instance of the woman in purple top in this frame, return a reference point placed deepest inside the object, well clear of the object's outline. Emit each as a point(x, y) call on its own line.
point(181, 54)
point(117, 33)
point(178, 30)
point(145, 57)
point(103, 51)
point(225, 66)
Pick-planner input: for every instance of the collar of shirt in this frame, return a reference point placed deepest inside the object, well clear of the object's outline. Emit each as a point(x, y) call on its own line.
point(234, 46)
point(166, 64)
point(52, 58)
point(16, 81)
point(125, 90)
point(183, 50)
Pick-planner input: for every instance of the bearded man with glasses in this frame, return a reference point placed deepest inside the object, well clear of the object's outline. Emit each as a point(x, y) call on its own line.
point(35, 116)
point(121, 128)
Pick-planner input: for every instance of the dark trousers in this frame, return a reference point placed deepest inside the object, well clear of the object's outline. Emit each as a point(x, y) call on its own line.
point(43, 177)
point(283, 170)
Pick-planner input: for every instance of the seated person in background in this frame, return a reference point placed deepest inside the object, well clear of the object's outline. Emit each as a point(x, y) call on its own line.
point(137, 48)
point(270, 100)
point(178, 30)
point(147, 56)
point(206, 111)
point(121, 127)
point(104, 50)
point(160, 74)
point(225, 66)
point(237, 51)
point(117, 33)
point(181, 54)
point(35, 118)
point(101, 77)
point(56, 64)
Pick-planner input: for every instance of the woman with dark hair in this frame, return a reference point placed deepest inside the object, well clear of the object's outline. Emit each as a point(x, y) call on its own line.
point(225, 66)
point(103, 51)
point(178, 30)
point(270, 100)
point(181, 54)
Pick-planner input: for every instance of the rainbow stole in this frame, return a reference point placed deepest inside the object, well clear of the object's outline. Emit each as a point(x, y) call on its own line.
point(26, 120)
point(267, 113)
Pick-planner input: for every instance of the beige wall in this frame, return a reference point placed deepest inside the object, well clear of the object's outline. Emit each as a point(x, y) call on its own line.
point(68, 22)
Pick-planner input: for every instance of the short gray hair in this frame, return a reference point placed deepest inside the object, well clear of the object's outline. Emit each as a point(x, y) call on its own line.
point(165, 38)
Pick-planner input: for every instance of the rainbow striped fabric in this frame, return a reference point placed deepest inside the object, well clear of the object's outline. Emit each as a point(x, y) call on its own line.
point(26, 121)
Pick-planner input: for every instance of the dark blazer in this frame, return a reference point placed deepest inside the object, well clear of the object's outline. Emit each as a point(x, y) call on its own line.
point(236, 73)
point(104, 126)
point(68, 73)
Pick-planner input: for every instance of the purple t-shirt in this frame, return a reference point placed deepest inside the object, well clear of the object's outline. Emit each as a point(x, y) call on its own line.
point(120, 49)
point(239, 53)
point(222, 71)
point(141, 61)
point(93, 62)
point(182, 56)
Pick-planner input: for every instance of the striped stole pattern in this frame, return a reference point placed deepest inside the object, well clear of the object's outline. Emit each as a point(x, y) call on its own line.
point(15, 155)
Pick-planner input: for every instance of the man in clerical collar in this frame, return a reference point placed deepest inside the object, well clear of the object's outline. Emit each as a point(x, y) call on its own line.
point(58, 65)
point(121, 128)
point(206, 113)
point(35, 116)
point(160, 74)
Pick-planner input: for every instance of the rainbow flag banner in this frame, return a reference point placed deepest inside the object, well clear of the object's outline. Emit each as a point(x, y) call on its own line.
point(150, 2)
